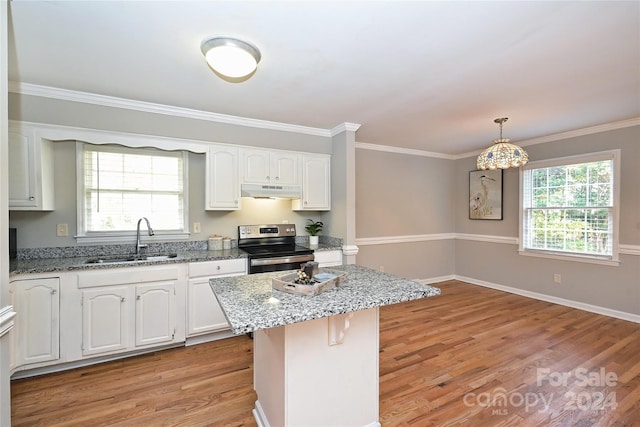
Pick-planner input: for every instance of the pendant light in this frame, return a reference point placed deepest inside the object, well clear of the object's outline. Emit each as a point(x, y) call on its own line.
point(502, 154)
point(230, 57)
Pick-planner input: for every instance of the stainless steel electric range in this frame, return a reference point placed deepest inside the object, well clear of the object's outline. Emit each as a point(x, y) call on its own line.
point(272, 247)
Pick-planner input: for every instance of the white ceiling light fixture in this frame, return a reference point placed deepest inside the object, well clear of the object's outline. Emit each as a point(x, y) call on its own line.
point(230, 57)
point(502, 154)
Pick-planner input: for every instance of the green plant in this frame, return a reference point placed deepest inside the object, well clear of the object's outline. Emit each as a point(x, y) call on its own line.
point(314, 227)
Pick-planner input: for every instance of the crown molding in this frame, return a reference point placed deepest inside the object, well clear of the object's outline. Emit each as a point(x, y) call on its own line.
point(149, 107)
point(408, 151)
point(344, 127)
point(168, 110)
point(567, 135)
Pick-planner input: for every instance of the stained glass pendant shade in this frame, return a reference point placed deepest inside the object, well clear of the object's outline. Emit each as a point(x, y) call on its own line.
point(502, 154)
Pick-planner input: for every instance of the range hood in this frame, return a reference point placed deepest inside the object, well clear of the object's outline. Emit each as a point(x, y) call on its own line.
point(271, 191)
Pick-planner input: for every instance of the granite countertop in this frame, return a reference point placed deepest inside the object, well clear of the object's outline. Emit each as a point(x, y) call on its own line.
point(49, 265)
point(250, 303)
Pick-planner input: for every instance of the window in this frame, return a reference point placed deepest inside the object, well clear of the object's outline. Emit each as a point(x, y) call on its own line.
point(119, 185)
point(569, 207)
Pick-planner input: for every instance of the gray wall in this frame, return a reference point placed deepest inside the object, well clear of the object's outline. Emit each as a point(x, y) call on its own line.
point(396, 195)
point(403, 195)
point(606, 286)
point(627, 139)
point(76, 114)
point(37, 229)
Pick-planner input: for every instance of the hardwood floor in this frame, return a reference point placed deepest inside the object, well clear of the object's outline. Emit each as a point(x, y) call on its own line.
point(472, 356)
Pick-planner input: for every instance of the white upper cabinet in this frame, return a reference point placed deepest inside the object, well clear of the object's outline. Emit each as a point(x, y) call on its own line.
point(316, 183)
point(270, 167)
point(222, 187)
point(30, 170)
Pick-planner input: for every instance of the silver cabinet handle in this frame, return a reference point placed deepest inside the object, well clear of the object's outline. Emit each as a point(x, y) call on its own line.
point(138, 297)
point(32, 198)
point(53, 291)
point(218, 268)
point(122, 299)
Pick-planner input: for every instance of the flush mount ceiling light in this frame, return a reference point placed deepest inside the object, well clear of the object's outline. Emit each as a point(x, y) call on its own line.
point(502, 154)
point(230, 57)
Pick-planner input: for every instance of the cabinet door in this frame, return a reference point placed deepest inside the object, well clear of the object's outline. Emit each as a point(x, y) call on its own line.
point(222, 186)
point(22, 189)
point(328, 258)
point(256, 166)
point(31, 184)
point(284, 168)
point(155, 313)
point(316, 184)
point(105, 319)
point(204, 312)
point(37, 320)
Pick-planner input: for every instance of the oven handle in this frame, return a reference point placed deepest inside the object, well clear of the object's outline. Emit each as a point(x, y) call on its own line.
point(282, 260)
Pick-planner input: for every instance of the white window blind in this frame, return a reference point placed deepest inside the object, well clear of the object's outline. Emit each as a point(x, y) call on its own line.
point(569, 206)
point(121, 185)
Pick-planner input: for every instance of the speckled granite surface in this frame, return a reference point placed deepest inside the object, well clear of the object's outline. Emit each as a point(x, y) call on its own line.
point(48, 265)
point(47, 260)
point(250, 303)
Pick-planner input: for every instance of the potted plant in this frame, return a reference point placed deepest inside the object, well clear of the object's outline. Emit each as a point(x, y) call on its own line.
point(313, 228)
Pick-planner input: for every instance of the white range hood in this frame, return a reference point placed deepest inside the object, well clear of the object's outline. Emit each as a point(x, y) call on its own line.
point(271, 191)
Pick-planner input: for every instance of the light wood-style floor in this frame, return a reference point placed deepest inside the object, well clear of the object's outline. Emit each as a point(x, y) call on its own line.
point(472, 356)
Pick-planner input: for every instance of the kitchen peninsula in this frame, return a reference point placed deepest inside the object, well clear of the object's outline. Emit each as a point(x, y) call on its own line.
point(315, 357)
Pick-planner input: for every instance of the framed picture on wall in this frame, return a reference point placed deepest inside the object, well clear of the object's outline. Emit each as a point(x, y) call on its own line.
point(485, 194)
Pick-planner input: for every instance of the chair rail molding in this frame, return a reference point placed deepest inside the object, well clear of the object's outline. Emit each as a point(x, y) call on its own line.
point(6, 319)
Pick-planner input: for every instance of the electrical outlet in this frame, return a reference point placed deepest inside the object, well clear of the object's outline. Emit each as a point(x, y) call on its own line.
point(381, 268)
point(557, 278)
point(196, 227)
point(62, 230)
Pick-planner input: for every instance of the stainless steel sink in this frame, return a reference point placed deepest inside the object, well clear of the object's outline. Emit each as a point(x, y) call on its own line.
point(129, 258)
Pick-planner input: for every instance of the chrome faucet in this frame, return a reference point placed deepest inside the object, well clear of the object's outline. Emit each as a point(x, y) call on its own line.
point(149, 230)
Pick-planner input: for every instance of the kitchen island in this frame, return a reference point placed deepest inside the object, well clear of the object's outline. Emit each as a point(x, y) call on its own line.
point(315, 357)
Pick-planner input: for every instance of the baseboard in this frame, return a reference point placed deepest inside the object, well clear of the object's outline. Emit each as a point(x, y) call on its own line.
point(555, 300)
point(259, 415)
point(432, 280)
point(199, 339)
point(26, 371)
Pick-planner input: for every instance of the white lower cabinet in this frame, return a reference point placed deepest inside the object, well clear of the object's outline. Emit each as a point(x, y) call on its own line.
point(204, 314)
point(102, 313)
point(105, 320)
point(130, 309)
point(37, 324)
point(155, 313)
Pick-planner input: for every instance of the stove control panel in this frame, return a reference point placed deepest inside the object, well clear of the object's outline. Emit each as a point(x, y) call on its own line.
point(266, 230)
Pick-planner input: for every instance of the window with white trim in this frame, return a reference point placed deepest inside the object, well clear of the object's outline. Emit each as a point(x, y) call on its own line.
point(569, 207)
point(119, 185)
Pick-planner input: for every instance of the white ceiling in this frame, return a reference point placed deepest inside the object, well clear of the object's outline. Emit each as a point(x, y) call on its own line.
point(420, 75)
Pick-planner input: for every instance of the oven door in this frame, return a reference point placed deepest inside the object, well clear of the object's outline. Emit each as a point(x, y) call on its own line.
point(278, 263)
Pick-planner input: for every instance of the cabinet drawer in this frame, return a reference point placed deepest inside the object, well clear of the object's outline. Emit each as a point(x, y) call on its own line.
point(328, 258)
point(120, 276)
point(217, 268)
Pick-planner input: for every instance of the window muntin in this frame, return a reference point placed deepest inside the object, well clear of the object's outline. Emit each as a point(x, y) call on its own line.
point(569, 207)
point(119, 185)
